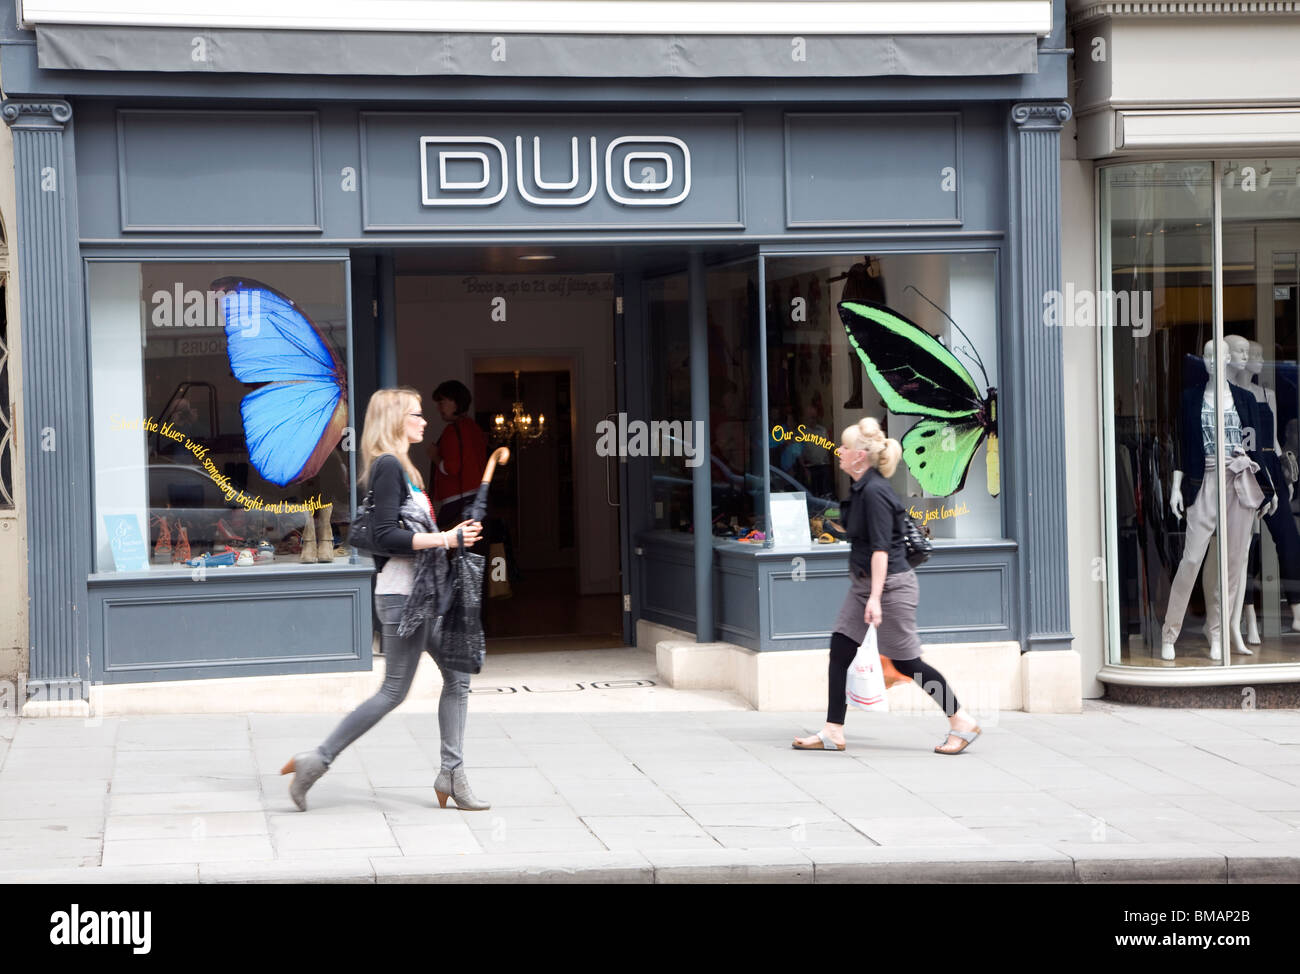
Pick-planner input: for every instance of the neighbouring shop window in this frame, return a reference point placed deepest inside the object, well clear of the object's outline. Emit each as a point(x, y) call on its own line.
point(6, 417)
point(927, 345)
point(1157, 259)
point(219, 414)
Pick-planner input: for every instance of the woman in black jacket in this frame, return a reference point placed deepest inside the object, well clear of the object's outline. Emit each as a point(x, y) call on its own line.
point(394, 420)
point(883, 592)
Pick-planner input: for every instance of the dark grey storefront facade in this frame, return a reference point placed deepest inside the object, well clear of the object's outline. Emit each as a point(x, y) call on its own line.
point(139, 167)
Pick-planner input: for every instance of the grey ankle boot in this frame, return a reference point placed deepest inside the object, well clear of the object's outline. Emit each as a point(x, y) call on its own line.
point(306, 768)
point(455, 785)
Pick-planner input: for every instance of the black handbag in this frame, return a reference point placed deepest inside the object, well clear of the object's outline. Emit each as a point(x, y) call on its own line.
point(361, 533)
point(457, 641)
point(918, 545)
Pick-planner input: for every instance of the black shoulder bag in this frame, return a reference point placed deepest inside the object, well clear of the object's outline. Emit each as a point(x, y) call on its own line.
point(915, 541)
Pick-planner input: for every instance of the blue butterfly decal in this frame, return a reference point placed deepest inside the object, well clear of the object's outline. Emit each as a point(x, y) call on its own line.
point(294, 421)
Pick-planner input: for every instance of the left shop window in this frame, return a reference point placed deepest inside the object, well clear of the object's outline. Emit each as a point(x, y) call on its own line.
point(219, 414)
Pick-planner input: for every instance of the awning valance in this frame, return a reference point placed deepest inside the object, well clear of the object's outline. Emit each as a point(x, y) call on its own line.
point(549, 55)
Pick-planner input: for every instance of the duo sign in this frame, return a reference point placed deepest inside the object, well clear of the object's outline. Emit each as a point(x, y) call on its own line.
point(655, 182)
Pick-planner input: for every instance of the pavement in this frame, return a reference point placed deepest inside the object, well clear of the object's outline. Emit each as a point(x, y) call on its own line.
point(1117, 793)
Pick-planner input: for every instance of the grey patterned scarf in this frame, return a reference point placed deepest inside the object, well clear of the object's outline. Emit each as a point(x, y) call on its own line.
point(431, 591)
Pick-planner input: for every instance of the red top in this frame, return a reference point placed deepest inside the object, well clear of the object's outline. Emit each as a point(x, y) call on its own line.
point(463, 451)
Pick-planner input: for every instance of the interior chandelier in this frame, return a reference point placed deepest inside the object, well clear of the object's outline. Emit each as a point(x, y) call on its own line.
point(519, 426)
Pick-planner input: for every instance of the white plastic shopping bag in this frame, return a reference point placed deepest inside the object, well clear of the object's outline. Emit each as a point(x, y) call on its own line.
point(865, 688)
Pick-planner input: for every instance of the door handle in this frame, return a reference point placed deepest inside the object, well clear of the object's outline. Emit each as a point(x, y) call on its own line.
point(611, 499)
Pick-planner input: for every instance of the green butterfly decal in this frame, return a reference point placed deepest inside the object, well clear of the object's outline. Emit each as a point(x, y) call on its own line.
point(916, 375)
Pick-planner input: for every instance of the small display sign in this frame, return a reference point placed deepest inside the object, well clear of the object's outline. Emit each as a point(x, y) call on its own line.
point(130, 552)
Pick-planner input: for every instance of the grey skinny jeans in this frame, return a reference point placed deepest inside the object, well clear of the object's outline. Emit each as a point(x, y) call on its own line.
point(401, 658)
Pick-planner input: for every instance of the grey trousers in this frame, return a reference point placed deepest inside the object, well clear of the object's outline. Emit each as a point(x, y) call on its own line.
point(1201, 517)
point(401, 658)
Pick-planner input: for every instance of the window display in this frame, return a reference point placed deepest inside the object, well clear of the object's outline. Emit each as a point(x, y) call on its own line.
point(219, 414)
point(910, 339)
point(1158, 223)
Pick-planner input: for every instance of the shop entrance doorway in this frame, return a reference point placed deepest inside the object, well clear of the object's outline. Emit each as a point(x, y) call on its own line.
point(546, 340)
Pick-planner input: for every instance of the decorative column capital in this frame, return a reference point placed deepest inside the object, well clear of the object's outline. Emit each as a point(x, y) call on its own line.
point(41, 115)
point(1040, 115)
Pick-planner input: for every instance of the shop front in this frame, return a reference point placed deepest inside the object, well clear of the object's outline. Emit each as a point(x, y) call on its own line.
point(1198, 236)
point(222, 269)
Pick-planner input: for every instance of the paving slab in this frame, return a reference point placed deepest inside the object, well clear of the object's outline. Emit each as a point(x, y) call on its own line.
point(185, 803)
point(917, 832)
point(193, 825)
point(576, 838)
point(154, 851)
point(632, 832)
point(798, 835)
point(614, 797)
point(444, 839)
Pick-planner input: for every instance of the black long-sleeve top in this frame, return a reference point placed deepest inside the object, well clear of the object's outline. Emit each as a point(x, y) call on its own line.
point(388, 481)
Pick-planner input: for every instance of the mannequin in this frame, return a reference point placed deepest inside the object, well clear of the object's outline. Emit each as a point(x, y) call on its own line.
point(1246, 484)
point(1281, 522)
point(1237, 371)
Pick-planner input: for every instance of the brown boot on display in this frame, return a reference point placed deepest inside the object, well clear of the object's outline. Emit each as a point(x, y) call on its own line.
point(324, 534)
point(308, 556)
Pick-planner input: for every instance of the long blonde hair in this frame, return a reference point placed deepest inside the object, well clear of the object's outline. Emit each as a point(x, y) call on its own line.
point(385, 429)
point(883, 452)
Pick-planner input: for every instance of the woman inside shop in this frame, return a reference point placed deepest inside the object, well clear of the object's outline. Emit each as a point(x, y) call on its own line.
point(403, 525)
point(456, 461)
point(882, 592)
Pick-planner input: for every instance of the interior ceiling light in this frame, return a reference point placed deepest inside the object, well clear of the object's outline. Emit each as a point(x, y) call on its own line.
point(1265, 176)
point(1230, 177)
point(537, 257)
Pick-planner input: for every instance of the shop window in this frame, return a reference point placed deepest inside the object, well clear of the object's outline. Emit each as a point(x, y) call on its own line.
point(736, 444)
point(676, 436)
point(1157, 237)
point(670, 397)
point(6, 411)
point(219, 414)
point(819, 384)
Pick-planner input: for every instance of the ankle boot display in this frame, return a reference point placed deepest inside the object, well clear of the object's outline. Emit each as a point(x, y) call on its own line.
point(181, 549)
point(308, 556)
point(324, 535)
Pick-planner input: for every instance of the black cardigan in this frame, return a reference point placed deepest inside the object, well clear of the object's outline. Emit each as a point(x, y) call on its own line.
point(387, 480)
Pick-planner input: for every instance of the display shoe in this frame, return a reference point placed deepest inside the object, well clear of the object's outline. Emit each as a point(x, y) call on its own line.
point(265, 553)
point(245, 557)
point(225, 534)
point(308, 556)
point(162, 550)
point(455, 785)
point(324, 534)
point(181, 549)
point(306, 768)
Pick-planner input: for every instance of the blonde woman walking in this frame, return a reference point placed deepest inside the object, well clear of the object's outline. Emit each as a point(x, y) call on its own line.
point(883, 592)
point(403, 525)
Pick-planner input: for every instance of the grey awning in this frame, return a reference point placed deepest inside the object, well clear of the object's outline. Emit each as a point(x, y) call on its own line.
point(306, 52)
